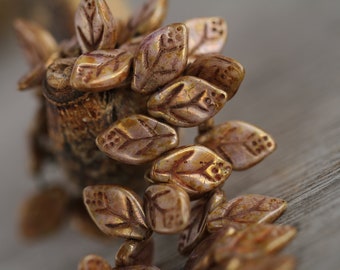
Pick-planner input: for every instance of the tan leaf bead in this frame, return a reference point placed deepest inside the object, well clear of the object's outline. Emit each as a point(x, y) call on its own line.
point(217, 198)
point(167, 208)
point(33, 78)
point(243, 144)
point(206, 35)
point(96, 28)
point(187, 102)
point(221, 71)
point(246, 210)
point(254, 242)
point(37, 43)
point(93, 262)
point(262, 263)
point(149, 18)
point(196, 229)
point(101, 70)
point(43, 212)
point(117, 211)
point(161, 58)
point(196, 169)
point(135, 253)
point(137, 139)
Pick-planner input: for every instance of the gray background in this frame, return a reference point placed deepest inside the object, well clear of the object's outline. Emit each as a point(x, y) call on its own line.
point(291, 53)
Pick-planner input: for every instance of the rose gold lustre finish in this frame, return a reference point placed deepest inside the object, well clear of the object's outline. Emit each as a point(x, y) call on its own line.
point(221, 71)
point(206, 35)
point(137, 139)
point(187, 102)
point(147, 19)
point(93, 262)
point(196, 231)
point(162, 57)
point(242, 144)
point(101, 70)
point(255, 242)
point(263, 263)
point(244, 211)
point(117, 211)
point(135, 253)
point(167, 208)
point(96, 28)
point(196, 169)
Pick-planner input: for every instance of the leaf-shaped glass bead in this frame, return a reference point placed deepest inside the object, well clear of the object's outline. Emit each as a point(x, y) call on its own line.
point(93, 262)
point(137, 139)
point(221, 71)
point(96, 29)
point(243, 144)
point(276, 262)
point(117, 211)
point(187, 102)
point(101, 70)
point(246, 210)
point(196, 169)
point(37, 43)
point(134, 252)
point(147, 19)
point(254, 242)
point(167, 208)
point(206, 35)
point(161, 58)
point(196, 229)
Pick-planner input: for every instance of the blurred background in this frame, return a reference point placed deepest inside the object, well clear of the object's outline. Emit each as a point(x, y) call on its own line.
point(290, 50)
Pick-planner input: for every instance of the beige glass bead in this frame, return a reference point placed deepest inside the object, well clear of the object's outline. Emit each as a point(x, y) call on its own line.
point(196, 169)
point(243, 144)
point(196, 230)
point(187, 102)
point(96, 28)
point(137, 139)
point(282, 262)
point(161, 58)
point(93, 262)
point(134, 252)
point(37, 43)
point(117, 211)
point(221, 71)
point(101, 70)
point(167, 208)
point(254, 242)
point(147, 19)
point(244, 211)
point(206, 35)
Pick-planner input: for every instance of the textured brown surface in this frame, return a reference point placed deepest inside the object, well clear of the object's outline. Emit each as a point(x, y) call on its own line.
point(290, 51)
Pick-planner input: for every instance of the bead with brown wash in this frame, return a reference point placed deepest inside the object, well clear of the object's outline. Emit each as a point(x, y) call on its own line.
point(117, 211)
point(137, 139)
point(223, 72)
point(187, 102)
point(161, 58)
point(242, 144)
point(167, 208)
point(196, 169)
point(244, 211)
